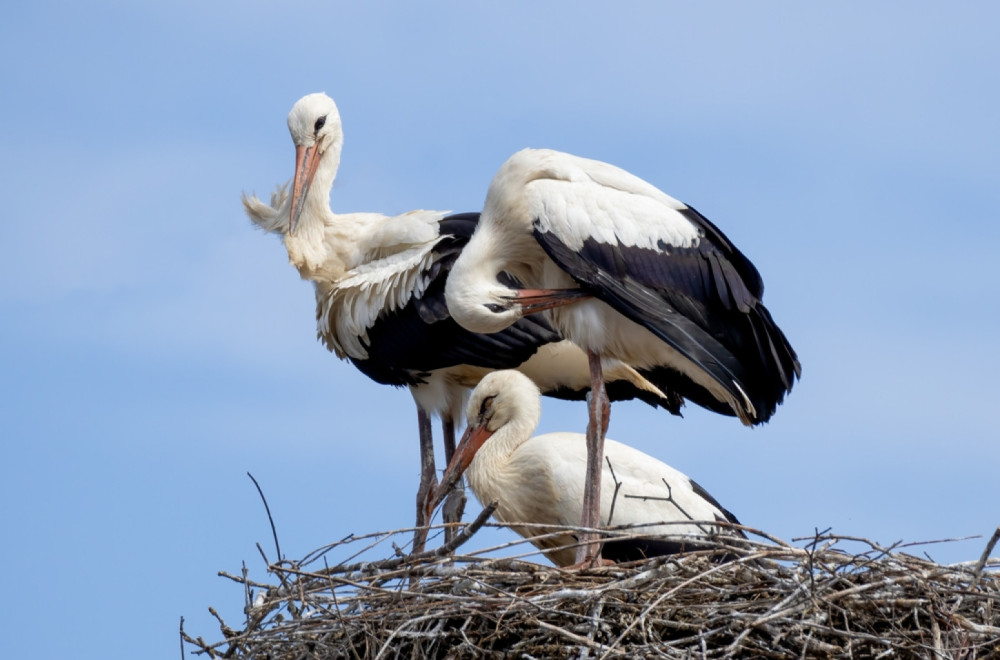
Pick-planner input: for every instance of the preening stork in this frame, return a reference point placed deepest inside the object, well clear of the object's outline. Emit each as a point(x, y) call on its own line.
point(536, 480)
point(379, 284)
point(624, 271)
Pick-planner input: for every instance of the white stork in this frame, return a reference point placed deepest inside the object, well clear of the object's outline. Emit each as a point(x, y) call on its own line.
point(625, 271)
point(379, 284)
point(536, 479)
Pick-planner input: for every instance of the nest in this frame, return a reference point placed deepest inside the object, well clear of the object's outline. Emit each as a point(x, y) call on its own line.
point(823, 596)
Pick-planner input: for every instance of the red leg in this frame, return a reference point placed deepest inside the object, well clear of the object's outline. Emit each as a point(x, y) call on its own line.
point(454, 504)
point(599, 408)
point(428, 478)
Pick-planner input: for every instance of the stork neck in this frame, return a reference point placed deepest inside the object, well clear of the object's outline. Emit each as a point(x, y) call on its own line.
point(316, 212)
point(322, 246)
point(327, 171)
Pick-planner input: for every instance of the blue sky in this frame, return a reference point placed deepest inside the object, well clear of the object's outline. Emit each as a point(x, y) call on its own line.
point(154, 348)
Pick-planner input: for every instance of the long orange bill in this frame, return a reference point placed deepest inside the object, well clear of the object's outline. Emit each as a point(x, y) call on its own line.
point(470, 443)
point(306, 164)
point(533, 301)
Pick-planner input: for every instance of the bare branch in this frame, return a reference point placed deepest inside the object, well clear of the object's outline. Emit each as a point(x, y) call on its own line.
point(832, 596)
point(986, 554)
point(274, 531)
point(614, 496)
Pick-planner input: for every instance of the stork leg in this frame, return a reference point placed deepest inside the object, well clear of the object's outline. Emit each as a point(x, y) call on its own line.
point(597, 428)
point(454, 505)
point(428, 479)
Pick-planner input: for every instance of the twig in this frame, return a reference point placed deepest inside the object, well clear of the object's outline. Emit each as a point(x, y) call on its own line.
point(247, 598)
point(445, 549)
point(274, 531)
point(578, 639)
point(614, 496)
point(978, 573)
point(874, 603)
point(667, 594)
point(668, 498)
point(595, 621)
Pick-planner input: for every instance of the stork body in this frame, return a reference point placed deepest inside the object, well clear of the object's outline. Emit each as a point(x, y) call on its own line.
point(379, 283)
point(537, 480)
point(668, 292)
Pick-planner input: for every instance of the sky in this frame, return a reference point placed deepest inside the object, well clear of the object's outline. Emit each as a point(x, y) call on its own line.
point(154, 348)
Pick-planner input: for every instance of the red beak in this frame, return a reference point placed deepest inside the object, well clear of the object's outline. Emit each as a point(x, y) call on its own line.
point(470, 443)
point(306, 164)
point(533, 301)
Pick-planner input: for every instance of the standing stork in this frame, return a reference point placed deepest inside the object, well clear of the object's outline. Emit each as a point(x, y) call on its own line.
point(379, 283)
point(625, 271)
point(536, 480)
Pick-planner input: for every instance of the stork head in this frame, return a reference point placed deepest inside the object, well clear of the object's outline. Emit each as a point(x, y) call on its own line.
point(477, 299)
point(314, 123)
point(503, 397)
point(482, 300)
point(506, 400)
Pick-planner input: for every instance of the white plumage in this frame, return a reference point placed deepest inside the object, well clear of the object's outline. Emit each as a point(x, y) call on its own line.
point(668, 292)
point(379, 292)
point(363, 264)
point(538, 480)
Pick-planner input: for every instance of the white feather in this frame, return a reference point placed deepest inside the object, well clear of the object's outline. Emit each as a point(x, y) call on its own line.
point(576, 199)
point(539, 479)
point(365, 264)
point(348, 309)
point(579, 199)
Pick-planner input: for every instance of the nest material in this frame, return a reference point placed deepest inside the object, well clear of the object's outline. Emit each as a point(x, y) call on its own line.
point(734, 599)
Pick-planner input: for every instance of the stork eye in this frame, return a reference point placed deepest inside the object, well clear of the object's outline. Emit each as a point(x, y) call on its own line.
point(320, 123)
point(495, 308)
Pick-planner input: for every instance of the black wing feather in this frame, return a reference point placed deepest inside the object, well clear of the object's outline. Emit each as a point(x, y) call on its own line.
point(704, 301)
point(405, 344)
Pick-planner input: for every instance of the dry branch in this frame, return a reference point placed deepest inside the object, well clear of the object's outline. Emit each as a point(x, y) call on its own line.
point(836, 597)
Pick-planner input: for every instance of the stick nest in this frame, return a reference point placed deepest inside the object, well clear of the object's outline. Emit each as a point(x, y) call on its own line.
point(828, 596)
